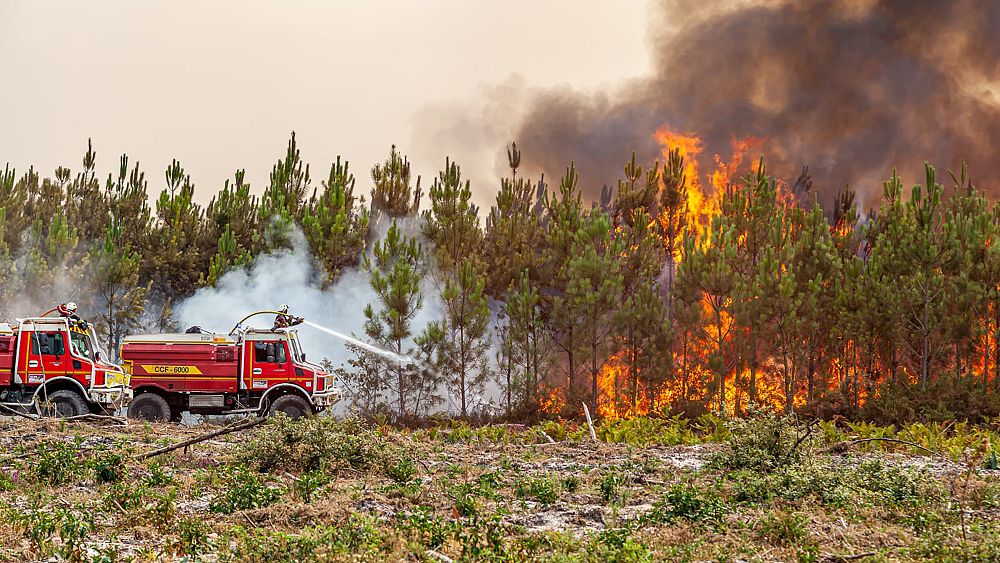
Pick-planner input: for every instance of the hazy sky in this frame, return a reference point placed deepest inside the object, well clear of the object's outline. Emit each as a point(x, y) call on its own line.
point(219, 85)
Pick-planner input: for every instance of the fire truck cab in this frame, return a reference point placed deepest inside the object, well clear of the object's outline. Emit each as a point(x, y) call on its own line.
point(55, 367)
point(252, 371)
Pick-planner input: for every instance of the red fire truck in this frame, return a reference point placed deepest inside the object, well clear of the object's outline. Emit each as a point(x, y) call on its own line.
point(247, 371)
point(54, 366)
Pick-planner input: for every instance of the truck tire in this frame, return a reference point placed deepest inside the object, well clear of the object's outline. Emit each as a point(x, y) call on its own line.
point(150, 407)
point(293, 406)
point(63, 404)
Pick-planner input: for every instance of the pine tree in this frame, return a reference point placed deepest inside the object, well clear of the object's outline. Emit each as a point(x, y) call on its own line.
point(395, 272)
point(917, 248)
point(672, 219)
point(525, 342)
point(452, 222)
point(462, 352)
point(513, 238)
point(753, 207)
point(228, 256)
point(593, 289)
point(86, 204)
point(120, 298)
point(564, 217)
point(180, 249)
point(236, 210)
point(710, 269)
point(128, 199)
point(284, 200)
point(334, 225)
point(12, 201)
point(392, 194)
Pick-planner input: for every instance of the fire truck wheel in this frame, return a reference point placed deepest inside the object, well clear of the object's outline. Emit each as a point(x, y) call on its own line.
point(63, 404)
point(149, 406)
point(293, 406)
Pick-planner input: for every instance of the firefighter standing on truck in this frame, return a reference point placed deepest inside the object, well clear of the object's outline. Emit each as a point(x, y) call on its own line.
point(68, 311)
point(284, 320)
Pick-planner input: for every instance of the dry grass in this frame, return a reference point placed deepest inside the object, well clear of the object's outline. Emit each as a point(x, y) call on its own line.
point(469, 494)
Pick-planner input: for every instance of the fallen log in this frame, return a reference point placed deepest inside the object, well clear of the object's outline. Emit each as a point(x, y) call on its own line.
point(89, 417)
point(242, 425)
point(841, 447)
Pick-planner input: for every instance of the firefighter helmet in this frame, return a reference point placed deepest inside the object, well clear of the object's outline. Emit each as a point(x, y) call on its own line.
point(71, 307)
point(283, 309)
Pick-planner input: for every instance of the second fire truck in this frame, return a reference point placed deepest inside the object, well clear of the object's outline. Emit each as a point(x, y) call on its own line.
point(250, 370)
point(53, 365)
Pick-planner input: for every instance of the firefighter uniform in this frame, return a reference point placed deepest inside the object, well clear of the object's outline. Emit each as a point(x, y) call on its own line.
point(68, 311)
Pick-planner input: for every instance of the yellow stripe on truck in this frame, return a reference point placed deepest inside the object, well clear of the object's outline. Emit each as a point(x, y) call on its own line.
point(159, 369)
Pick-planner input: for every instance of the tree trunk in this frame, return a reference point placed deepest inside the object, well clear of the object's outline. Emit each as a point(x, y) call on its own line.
point(684, 366)
point(462, 369)
point(753, 364)
point(593, 375)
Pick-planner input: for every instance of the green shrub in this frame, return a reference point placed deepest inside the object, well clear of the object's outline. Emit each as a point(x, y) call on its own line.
point(163, 508)
point(108, 466)
point(617, 544)
point(762, 442)
point(192, 538)
point(543, 490)
point(158, 477)
point(610, 486)
point(244, 489)
point(429, 529)
point(687, 502)
point(72, 526)
point(895, 484)
point(270, 546)
point(401, 470)
point(321, 443)
point(306, 486)
point(464, 497)
point(126, 495)
point(643, 431)
point(58, 462)
point(571, 483)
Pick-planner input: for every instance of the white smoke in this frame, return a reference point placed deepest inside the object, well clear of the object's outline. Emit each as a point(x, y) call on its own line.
point(291, 277)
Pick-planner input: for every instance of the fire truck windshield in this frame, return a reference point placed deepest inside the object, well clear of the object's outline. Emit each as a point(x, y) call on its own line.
point(81, 345)
point(296, 348)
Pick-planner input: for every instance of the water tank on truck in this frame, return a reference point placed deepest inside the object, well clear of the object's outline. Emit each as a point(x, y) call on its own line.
point(247, 371)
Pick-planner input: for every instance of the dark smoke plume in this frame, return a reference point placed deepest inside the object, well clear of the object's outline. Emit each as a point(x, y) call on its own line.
point(849, 88)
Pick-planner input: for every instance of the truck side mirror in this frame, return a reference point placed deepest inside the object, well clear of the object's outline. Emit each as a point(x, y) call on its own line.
point(97, 355)
point(303, 356)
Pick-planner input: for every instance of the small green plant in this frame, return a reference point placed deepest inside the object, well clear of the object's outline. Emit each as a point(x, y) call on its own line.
point(401, 470)
point(611, 485)
point(543, 490)
point(192, 538)
point(306, 486)
point(464, 495)
point(108, 466)
point(72, 526)
point(317, 443)
point(571, 483)
point(244, 489)
point(162, 510)
point(58, 462)
point(429, 529)
point(895, 484)
point(6, 482)
point(687, 502)
point(158, 476)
